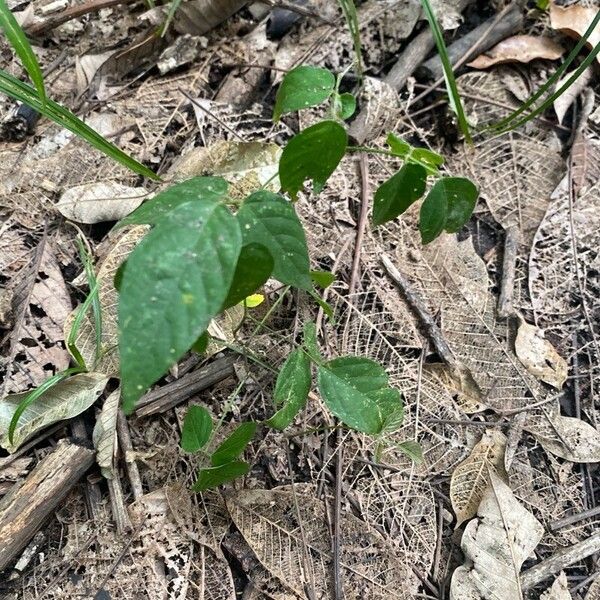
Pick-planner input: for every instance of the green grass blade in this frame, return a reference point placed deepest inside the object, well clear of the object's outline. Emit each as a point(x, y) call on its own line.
point(18, 40)
point(23, 92)
point(349, 9)
point(453, 93)
point(503, 123)
point(172, 10)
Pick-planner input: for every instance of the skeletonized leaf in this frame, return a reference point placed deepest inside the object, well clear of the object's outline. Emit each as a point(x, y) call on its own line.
point(65, 400)
point(495, 546)
point(539, 356)
point(105, 434)
point(559, 589)
point(471, 477)
point(574, 21)
point(98, 202)
point(519, 48)
point(292, 541)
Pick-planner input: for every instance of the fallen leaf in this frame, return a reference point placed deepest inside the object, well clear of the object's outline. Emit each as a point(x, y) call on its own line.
point(495, 546)
point(539, 356)
point(574, 20)
point(105, 434)
point(471, 477)
point(570, 95)
point(594, 591)
point(559, 589)
point(519, 48)
point(65, 400)
point(99, 202)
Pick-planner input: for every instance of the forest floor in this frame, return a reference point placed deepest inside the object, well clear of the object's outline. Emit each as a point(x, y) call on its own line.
point(505, 504)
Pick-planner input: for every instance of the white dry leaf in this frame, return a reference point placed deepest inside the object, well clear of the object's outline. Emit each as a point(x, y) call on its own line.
point(495, 545)
point(471, 478)
point(289, 534)
point(570, 95)
point(539, 356)
point(65, 400)
point(574, 21)
point(247, 166)
point(99, 202)
point(223, 328)
point(559, 589)
point(104, 435)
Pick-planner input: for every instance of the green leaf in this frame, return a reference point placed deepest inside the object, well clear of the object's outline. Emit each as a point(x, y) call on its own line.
point(234, 445)
point(176, 281)
point(201, 344)
point(351, 16)
point(325, 306)
point(197, 428)
point(397, 194)
point(303, 87)
point(314, 154)
point(216, 476)
point(322, 278)
point(434, 212)
point(254, 266)
point(291, 389)
point(398, 146)
point(18, 40)
point(356, 391)
point(412, 449)
point(18, 90)
point(346, 105)
point(197, 189)
point(270, 220)
point(462, 196)
point(310, 341)
point(429, 160)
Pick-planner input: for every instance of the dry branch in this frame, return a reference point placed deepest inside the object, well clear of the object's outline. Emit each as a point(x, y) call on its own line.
point(24, 510)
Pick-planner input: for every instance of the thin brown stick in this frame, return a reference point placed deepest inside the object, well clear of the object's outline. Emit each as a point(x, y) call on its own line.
point(127, 448)
point(337, 520)
point(576, 518)
point(362, 222)
point(509, 267)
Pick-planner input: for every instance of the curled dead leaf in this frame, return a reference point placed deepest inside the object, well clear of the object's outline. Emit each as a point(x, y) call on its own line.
point(559, 589)
point(519, 48)
point(539, 356)
point(105, 434)
point(569, 96)
point(574, 20)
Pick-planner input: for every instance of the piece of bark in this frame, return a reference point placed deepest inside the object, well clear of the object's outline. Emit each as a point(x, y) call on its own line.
point(477, 41)
point(168, 396)
point(24, 509)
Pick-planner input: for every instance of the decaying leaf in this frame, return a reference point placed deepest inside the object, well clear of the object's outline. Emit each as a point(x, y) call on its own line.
point(594, 591)
point(98, 202)
point(65, 400)
point(290, 537)
point(471, 478)
point(539, 356)
point(495, 546)
point(569, 96)
point(224, 328)
point(105, 434)
point(559, 589)
point(574, 21)
point(519, 48)
point(200, 16)
point(247, 166)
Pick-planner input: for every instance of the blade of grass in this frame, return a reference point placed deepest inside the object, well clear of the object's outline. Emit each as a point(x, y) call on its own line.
point(35, 394)
point(172, 10)
point(73, 333)
point(23, 92)
point(502, 124)
point(18, 40)
point(349, 10)
point(455, 101)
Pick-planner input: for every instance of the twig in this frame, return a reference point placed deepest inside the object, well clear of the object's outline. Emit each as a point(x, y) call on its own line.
point(127, 448)
point(362, 221)
point(337, 524)
point(509, 264)
point(117, 504)
point(562, 559)
point(571, 519)
point(437, 555)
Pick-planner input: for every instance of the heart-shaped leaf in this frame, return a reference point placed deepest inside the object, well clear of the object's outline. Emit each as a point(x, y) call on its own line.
point(197, 428)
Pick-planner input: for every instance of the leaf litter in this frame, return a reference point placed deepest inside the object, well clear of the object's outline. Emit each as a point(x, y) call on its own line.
point(396, 525)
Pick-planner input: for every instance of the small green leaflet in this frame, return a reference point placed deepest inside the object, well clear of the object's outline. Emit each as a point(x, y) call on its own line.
point(448, 206)
point(303, 87)
point(398, 193)
point(270, 220)
point(255, 265)
point(197, 428)
point(429, 160)
point(356, 391)
point(291, 389)
point(397, 146)
point(345, 105)
point(310, 341)
point(196, 189)
point(234, 445)
point(313, 154)
point(176, 281)
point(322, 278)
point(412, 449)
point(216, 476)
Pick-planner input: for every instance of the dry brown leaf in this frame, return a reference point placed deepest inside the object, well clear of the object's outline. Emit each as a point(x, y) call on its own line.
point(519, 48)
point(570, 95)
point(471, 478)
point(200, 16)
point(292, 541)
point(224, 328)
point(495, 546)
point(539, 356)
point(574, 21)
point(559, 589)
point(105, 434)
point(98, 202)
